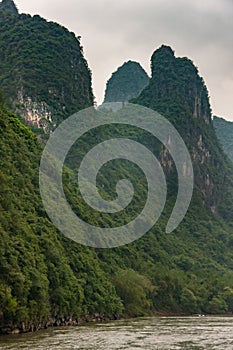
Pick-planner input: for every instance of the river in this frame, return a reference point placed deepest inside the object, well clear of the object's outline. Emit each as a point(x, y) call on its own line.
point(164, 333)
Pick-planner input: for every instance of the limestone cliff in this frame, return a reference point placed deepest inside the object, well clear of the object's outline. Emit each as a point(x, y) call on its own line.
point(43, 73)
point(177, 91)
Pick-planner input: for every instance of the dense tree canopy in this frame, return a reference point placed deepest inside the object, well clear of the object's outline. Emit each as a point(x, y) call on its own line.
point(8, 6)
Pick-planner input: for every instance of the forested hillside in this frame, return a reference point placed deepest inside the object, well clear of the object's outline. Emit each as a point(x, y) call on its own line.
point(224, 131)
point(47, 279)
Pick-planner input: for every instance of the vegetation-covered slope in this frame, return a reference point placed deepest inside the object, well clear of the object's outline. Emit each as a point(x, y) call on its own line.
point(126, 83)
point(42, 69)
point(47, 279)
point(44, 278)
point(224, 131)
point(190, 270)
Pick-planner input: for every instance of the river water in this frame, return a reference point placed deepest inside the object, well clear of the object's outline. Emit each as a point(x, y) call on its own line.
point(165, 333)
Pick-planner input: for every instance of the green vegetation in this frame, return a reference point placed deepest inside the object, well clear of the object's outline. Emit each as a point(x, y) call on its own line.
point(224, 131)
point(43, 275)
point(47, 279)
point(126, 83)
point(189, 271)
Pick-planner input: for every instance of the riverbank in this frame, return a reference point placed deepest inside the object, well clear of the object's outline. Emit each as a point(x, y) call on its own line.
point(150, 333)
point(32, 327)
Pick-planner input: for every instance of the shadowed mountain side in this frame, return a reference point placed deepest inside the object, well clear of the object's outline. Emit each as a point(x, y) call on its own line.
point(224, 131)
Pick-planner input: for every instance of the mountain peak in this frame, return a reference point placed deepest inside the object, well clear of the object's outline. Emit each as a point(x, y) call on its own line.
point(9, 6)
point(177, 91)
point(126, 83)
point(165, 51)
point(176, 86)
point(164, 56)
point(46, 89)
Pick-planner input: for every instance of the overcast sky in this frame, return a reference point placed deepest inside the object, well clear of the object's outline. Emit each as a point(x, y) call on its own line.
point(119, 30)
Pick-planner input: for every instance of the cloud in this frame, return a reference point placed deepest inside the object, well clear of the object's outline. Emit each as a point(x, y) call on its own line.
point(114, 32)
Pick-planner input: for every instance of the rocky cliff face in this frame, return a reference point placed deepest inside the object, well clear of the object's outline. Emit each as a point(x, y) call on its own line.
point(38, 114)
point(127, 82)
point(43, 73)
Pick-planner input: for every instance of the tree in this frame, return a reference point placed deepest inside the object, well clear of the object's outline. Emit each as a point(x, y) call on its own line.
point(134, 290)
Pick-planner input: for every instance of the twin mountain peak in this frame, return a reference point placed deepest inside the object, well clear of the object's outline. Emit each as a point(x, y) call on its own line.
point(174, 82)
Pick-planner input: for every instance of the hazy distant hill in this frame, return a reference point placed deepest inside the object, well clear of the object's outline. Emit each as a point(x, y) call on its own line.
point(224, 131)
point(127, 82)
